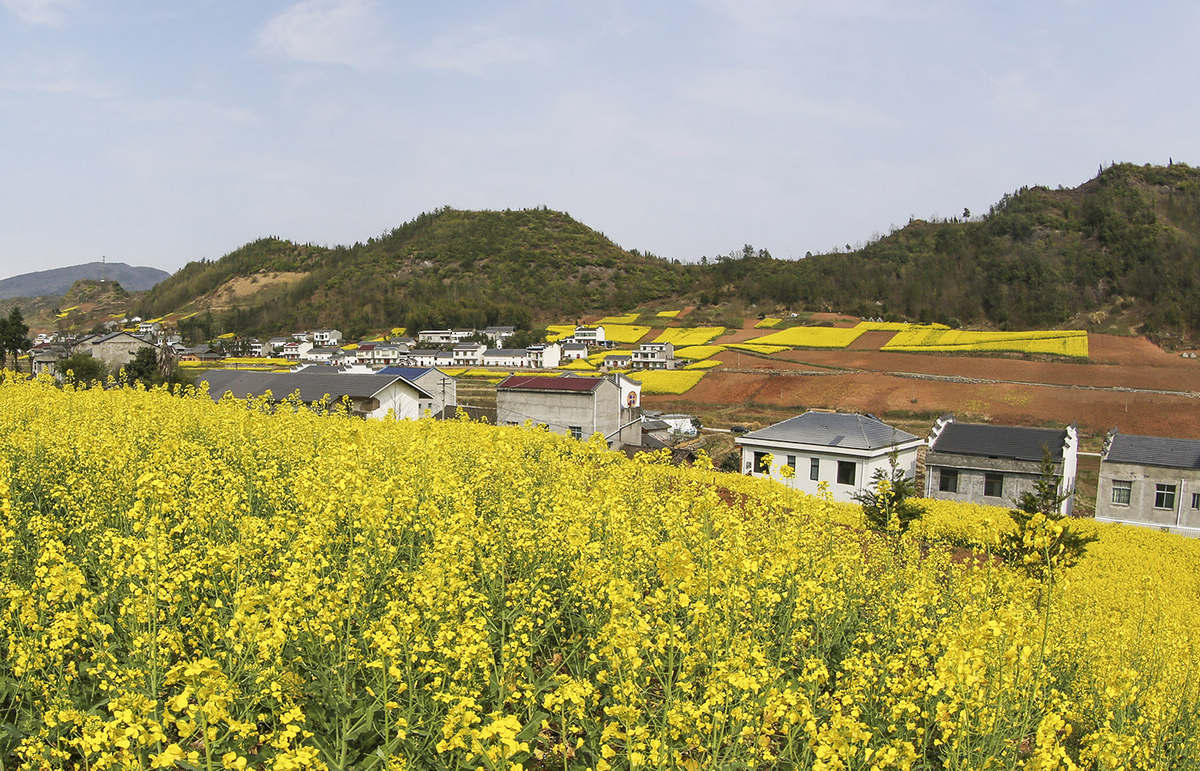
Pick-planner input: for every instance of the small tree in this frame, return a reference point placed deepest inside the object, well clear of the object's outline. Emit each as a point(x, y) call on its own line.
point(886, 505)
point(1044, 539)
point(82, 369)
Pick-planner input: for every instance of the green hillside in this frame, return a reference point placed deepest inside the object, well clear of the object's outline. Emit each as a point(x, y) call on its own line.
point(444, 268)
point(1120, 252)
point(1125, 244)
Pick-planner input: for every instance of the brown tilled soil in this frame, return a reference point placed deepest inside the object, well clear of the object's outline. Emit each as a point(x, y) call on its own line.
point(881, 394)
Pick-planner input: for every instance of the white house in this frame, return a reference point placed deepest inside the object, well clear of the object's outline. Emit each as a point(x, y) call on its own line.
point(369, 396)
point(436, 336)
point(429, 358)
point(320, 354)
point(544, 355)
point(653, 356)
point(842, 449)
point(468, 354)
point(505, 357)
point(294, 350)
point(572, 351)
point(499, 334)
point(590, 335)
point(327, 338)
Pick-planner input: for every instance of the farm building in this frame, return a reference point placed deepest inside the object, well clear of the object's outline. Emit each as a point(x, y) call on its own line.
point(1150, 480)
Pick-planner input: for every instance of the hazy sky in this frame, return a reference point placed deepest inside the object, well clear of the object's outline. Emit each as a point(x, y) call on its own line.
point(155, 133)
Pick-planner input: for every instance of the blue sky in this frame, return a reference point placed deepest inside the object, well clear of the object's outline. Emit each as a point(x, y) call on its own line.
point(155, 133)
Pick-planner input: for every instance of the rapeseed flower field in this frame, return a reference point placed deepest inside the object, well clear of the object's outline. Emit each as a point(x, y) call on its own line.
point(811, 337)
point(625, 333)
point(620, 318)
point(685, 336)
point(768, 322)
point(229, 586)
point(1070, 342)
point(698, 352)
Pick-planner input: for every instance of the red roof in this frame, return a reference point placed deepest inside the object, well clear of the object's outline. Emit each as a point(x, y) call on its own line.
point(543, 383)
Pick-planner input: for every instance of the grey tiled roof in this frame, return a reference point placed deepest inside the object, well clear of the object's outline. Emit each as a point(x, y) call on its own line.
point(833, 429)
point(312, 385)
point(1154, 451)
point(1016, 442)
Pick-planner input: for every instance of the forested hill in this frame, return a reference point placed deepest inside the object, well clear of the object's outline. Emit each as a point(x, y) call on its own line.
point(1120, 251)
point(447, 267)
point(1124, 245)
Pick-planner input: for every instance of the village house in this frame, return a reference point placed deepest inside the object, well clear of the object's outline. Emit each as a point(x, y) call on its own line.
point(423, 357)
point(505, 357)
point(201, 352)
point(983, 463)
point(302, 337)
point(573, 406)
point(654, 356)
point(253, 347)
point(294, 350)
point(499, 334)
point(618, 361)
point(149, 328)
point(44, 358)
point(115, 350)
point(468, 354)
point(590, 336)
point(442, 389)
point(324, 354)
point(544, 355)
point(844, 450)
point(572, 351)
point(275, 345)
point(1151, 481)
point(327, 338)
point(369, 396)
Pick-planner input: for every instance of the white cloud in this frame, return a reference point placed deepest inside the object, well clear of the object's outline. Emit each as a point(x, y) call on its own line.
point(477, 50)
point(338, 32)
point(49, 12)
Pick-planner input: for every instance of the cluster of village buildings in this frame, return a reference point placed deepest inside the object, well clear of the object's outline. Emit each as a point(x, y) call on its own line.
point(1144, 480)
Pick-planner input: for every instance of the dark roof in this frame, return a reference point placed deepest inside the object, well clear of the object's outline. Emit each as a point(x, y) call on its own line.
point(313, 386)
point(1017, 442)
point(408, 373)
point(505, 352)
point(834, 429)
point(546, 383)
point(653, 424)
point(1154, 451)
point(501, 329)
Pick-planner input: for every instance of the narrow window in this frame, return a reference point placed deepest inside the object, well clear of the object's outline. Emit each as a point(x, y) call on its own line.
point(814, 469)
point(792, 462)
point(1196, 500)
point(576, 432)
point(1164, 496)
point(760, 462)
point(1122, 491)
point(993, 485)
point(948, 480)
point(845, 472)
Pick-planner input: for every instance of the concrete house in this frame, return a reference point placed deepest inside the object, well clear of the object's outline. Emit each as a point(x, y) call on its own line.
point(295, 350)
point(499, 334)
point(442, 389)
point(505, 357)
point(1150, 480)
point(468, 354)
point(654, 356)
point(428, 358)
point(572, 351)
point(115, 350)
point(982, 463)
point(370, 396)
point(327, 338)
point(573, 406)
point(592, 336)
point(275, 345)
point(841, 449)
point(618, 361)
point(324, 354)
point(544, 355)
point(436, 336)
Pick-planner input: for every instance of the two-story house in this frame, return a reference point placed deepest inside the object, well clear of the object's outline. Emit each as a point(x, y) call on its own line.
point(1150, 480)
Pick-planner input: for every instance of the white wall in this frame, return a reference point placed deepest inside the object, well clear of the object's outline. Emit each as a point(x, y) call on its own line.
point(865, 466)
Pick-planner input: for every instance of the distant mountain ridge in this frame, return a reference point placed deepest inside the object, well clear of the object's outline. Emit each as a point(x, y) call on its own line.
point(58, 281)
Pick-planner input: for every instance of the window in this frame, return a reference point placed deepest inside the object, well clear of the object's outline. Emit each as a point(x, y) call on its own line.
point(760, 462)
point(948, 480)
point(792, 462)
point(845, 472)
point(993, 485)
point(575, 431)
point(1196, 500)
point(1122, 491)
point(814, 469)
point(1164, 496)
